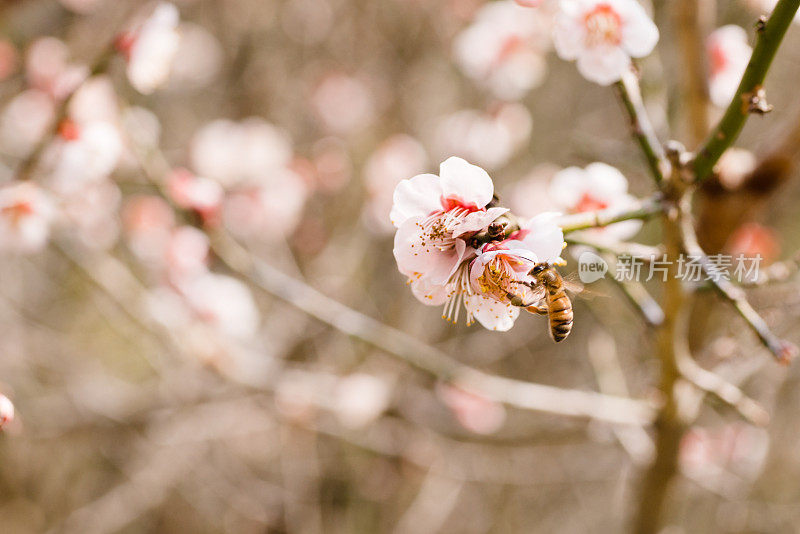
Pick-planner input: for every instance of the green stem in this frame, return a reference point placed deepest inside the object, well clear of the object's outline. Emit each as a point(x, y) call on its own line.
point(731, 124)
point(594, 219)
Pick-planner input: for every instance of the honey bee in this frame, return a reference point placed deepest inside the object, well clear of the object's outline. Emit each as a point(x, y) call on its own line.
point(549, 285)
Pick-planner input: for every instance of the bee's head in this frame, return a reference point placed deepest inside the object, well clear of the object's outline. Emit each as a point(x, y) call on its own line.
point(538, 268)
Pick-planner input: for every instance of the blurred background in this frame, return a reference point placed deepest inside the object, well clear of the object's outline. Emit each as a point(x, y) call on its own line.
point(158, 390)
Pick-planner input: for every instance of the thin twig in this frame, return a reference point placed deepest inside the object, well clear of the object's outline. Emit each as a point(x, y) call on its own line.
point(631, 97)
point(644, 209)
point(645, 253)
point(780, 271)
point(638, 296)
point(783, 350)
point(748, 96)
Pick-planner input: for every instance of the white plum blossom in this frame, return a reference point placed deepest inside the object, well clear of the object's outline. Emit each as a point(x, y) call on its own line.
point(150, 48)
point(499, 273)
point(438, 217)
point(599, 186)
point(197, 193)
point(434, 215)
point(26, 214)
point(728, 54)
point(603, 36)
point(504, 48)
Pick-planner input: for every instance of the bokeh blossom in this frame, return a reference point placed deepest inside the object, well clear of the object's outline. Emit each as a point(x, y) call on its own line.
point(728, 54)
point(150, 48)
point(504, 48)
point(603, 36)
point(599, 186)
point(26, 213)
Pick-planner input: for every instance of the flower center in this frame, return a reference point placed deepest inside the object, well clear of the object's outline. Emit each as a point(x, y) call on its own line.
point(453, 202)
point(18, 211)
point(718, 59)
point(589, 203)
point(603, 26)
point(437, 230)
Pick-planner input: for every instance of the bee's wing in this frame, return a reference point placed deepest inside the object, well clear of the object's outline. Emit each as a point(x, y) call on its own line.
point(573, 284)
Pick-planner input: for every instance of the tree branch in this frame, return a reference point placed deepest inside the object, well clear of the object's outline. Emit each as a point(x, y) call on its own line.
point(631, 97)
point(644, 209)
point(731, 124)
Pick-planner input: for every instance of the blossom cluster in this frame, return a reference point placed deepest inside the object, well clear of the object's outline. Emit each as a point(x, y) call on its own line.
point(451, 242)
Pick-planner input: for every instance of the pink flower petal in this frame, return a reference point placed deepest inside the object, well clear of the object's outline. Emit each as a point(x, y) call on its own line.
point(416, 197)
point(467, 183)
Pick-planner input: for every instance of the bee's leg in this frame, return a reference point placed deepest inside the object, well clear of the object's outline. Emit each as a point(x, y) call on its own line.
point(541, 309)
point(517, 300)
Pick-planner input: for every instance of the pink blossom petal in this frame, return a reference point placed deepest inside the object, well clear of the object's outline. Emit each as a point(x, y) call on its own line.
point(639, 34)
point(545, 238)
point(413, 255)
point(465, 182)
point(603, 65)
point(416, 197)
point(478, 221)
point(605, 182)
point(492, 314)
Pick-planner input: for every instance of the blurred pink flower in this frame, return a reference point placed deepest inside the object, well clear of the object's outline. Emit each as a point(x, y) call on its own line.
point(198, 59)
point(488, 138)
point(269, 212)
point(597, 187)
point(186, 254)
point(343, 103)
point(736, 447)
point(81, 154)
point(223, 303)
point(397, 158)
point(236, 153)
point(332, 165)
point(728, 54)
point(504, 48)
point(24, 122)
point(6, 411)
point(360, 398)
point(49, 70)
point(472, 410)
point(435, 214)
point(752, 240)
point(603, 36)
point(529, 196)
point(26, 213)
point(91, 213)
point(150, 48)
point(191, 192)
point(734, 167)
point(529, 3)
point(148, 222)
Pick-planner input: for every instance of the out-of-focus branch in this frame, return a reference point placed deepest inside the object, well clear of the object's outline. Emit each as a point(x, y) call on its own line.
point(669, 424)
point(688, 20)
point(783, 350)
point(749, 96)
point(525, 395)
point(723, 390)
point(631, 97)
point(638, 296)
point(602, 352)
point(780, 271)
point(621, 248)
point(644, 209)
